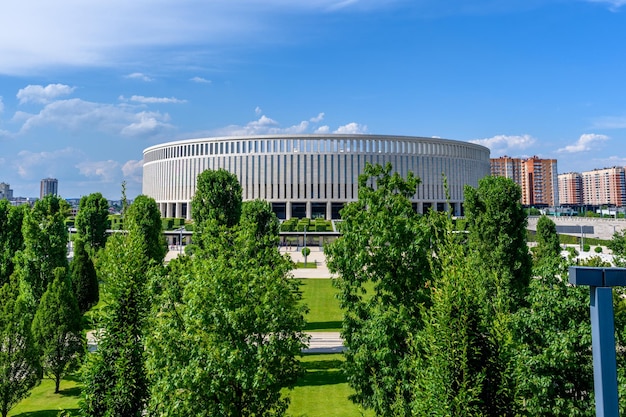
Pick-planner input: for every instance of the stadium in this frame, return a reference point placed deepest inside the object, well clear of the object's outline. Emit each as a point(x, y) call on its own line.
point(311, 175)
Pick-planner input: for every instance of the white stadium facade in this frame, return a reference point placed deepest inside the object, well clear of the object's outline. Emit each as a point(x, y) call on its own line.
point(311, 175)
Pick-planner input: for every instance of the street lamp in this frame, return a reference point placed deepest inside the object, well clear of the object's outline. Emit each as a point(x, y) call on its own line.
point(180, 239)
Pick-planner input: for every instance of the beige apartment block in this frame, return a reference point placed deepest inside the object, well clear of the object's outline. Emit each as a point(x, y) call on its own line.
point(606, 186)
point(571, 188)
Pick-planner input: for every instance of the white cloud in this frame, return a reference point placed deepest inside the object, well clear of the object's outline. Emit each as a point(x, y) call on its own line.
point(139, 76)
point(614, 5)
point(586, 142)
point(147, 123)
point(352, 128)
point(200, 80)
point(37, 165)
point(267, 126)
point(317, 118)
point(43, 95)
point(105, 171)
point(505, 144)
point(38, 35)
point(258, 111)
point(133, 170)
point(610, 122)
point(153, 100)
point(77, 115)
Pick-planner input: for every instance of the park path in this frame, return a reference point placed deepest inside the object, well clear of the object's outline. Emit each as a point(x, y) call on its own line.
point(320, 342)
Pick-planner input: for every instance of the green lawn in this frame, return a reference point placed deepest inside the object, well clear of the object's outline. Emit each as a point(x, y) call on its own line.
point(323, 391)
point(324, 312)
point(43, 402)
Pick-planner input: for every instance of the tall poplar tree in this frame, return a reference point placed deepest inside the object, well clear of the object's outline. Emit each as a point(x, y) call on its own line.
point(92, 220)
point(499, 253)
point(84, 277)
point(45, 244)
point(11, 238)
point(19, 359)
point(114, 376)
point(385, 249)
point(57, 329)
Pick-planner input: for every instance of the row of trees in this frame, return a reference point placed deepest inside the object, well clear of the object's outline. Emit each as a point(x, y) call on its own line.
point(436, 322)
point(216, 333)
point(460, 324)
point(42, 296)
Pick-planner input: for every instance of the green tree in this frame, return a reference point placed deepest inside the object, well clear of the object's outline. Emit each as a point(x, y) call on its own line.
point(227, 326)
point(92, 220)
point(618, 245)
point(455, 350)
point(548, 245)
point(217, 197)
point(11, 238)
point(19, 359)
point(499, 254)
point(384, 248)
point(45, 244)
point(305, 252)
point(554, 373)
point(115, 378)
point(84, 278)
point(497, 231)
point(57, 329)
point(143, 220)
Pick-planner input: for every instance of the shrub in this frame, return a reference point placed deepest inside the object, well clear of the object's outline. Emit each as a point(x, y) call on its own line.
point(586, 247)
point(598, 249)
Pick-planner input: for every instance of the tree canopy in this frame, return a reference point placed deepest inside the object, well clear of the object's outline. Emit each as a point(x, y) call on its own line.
point(45, 244)
point(57, 329)
point(384, 248)
point(218, 197)
point(92, 220)
point(19, 359)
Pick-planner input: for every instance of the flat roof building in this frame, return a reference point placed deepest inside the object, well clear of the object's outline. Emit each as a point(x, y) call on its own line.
point(606, 186)
point(48, 186)
point(311, 175)
point(537, 177)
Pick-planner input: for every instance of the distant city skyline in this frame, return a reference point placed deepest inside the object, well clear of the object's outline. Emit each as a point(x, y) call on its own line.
point(84, 89)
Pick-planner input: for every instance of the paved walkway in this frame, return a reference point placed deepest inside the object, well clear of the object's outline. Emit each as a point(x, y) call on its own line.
point(320, 342)
point(316, 256)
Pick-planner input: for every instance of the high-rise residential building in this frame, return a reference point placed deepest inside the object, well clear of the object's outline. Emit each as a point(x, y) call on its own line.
point(606, 186)
point(5, 191)
point(48, 186)
point(537, 177)
point(571, 189)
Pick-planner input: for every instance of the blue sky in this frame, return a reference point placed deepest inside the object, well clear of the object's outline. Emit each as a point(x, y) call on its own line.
point(86, 86)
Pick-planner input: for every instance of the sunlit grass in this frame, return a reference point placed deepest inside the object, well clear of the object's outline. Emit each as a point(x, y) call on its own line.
point(43, 402)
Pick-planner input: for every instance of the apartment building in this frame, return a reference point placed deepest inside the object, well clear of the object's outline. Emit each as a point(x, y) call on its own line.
point(537, 177)
point(605, 186)
point(570, 189)
point(48, 186)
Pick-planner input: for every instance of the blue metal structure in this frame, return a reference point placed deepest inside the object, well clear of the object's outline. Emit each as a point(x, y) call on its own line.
point(600, 282)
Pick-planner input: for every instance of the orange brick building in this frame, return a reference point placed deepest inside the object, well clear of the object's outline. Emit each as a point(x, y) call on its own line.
point(537, 177)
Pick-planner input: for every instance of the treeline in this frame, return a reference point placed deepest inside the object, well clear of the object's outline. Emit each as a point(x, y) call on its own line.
point(457, 323)
point(216, 333)
point(461, 324)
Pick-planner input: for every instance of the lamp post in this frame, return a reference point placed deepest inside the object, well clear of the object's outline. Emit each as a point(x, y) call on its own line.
point(180, 239)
